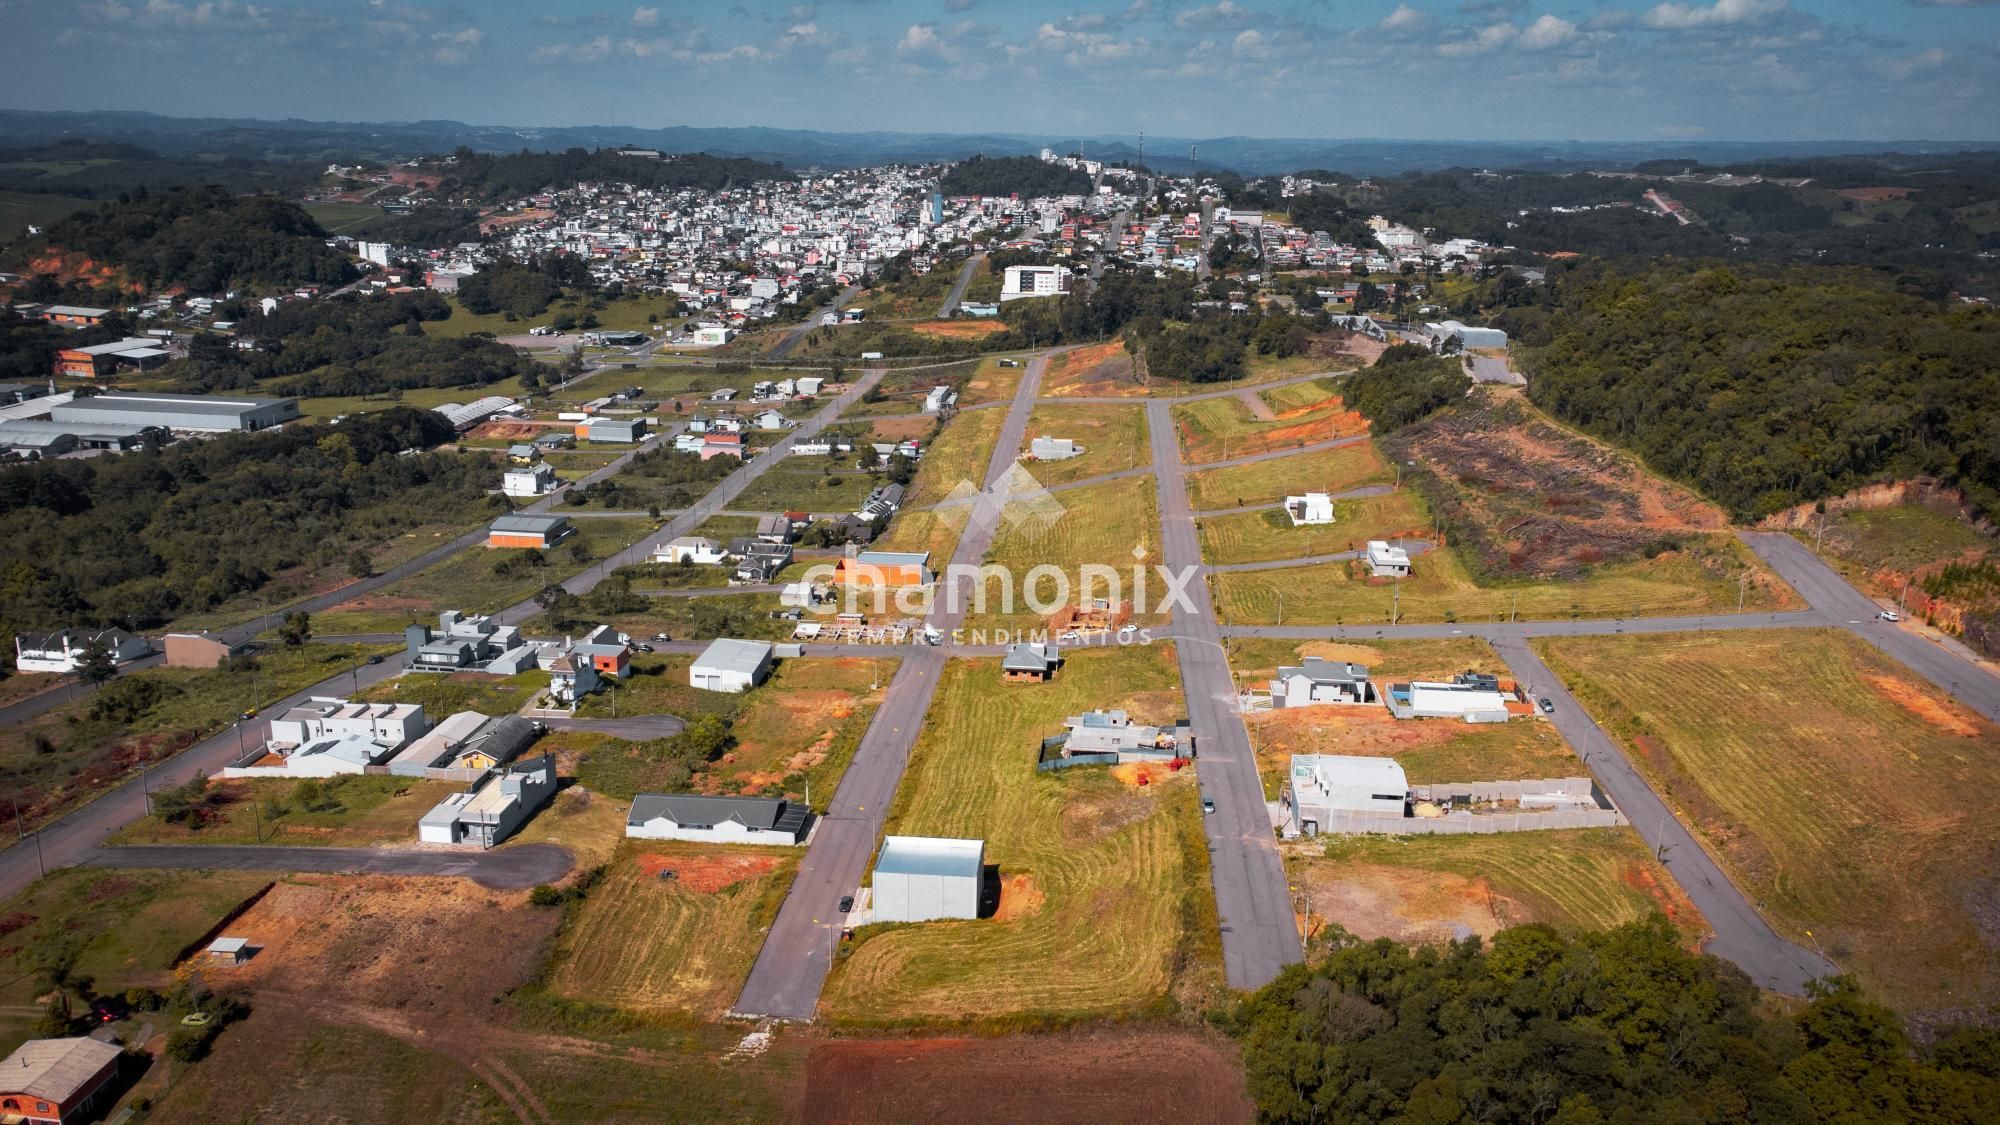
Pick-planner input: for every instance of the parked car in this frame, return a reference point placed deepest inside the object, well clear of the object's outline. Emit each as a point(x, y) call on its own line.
point(846, 903)
point(1072, 636)
point(1890, 615)
point(661, 637)
point(1548, 705)
point(1208, 805)
point(645, 648)
point(195, 1019)
point(1127, 629)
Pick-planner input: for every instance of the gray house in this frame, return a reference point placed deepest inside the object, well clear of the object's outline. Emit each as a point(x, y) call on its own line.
point(1316, 680)
point(733, 820)
point(494, 808)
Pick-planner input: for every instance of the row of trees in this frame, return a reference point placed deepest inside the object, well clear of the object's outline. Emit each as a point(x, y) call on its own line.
point(1625, 1025)
point(510, 176)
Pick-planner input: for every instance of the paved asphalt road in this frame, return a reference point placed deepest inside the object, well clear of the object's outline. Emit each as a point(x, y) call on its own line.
point(811, 321)
point(1741, 933)
point(957, 293)
point(791, 967)
point(1259, 934)
point(506, 869)
point(1944, 663)
point(1504, 630)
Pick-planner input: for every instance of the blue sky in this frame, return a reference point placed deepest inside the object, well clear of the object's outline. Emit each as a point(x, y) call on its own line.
point(1463, 69)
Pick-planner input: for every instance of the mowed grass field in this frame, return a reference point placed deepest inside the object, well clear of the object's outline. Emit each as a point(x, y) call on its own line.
point(1106, 905)
point(1113, 436)
point(1262, 482)
point(1417, 888)
point(961, 452)
point(1100, 525)
point(1845, 795)
point(683, 944)
point(1219, 429)
point(991, 382)
point(1429, 750)
point(20, 210)
point(1268, 535)
point(1439, 589)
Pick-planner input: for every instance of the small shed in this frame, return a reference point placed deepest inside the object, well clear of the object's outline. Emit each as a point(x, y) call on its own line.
point(228, 951)
point(922, 878)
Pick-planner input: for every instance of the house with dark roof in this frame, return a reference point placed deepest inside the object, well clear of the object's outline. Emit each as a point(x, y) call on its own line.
point(732, 820)
point(1036, 663)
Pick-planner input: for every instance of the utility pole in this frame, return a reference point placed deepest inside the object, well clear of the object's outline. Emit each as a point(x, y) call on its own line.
point(1742, 584)
point(1396, 605)
point(1281, 607)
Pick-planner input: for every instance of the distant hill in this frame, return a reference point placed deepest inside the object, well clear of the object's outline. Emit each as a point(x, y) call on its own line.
point(316, 141)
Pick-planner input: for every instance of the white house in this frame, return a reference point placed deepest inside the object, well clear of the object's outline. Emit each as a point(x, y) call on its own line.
point(1053, 449)
point(1440, 333)
point(922, 878)
point(387, 724)
point(690, 548)
point(772, 420)
point(731, 665)
point(528, 480)
point(494, 808)
point(1312, 509)
point(1323, 784)
point(1474, 699)
point(723, 820)
point(1385, 561)
point(810, 384)
point(934, 400)
point(60, 651)
point(1316, 680)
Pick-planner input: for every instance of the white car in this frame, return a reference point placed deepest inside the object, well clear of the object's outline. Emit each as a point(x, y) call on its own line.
point(1890, 615)
point(1127, 629)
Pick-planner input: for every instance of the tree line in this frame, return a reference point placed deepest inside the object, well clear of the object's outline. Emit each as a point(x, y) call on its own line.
point(1624, 1025)
point(1025, 176)
point(144, 537)
point(510, 176)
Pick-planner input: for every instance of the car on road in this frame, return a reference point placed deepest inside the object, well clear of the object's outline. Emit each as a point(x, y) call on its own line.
point(846, 903)
point(661, 637)
point(249, 712)
point(1548, 705)
point(1208, 805)
point(645, 648)
point(1889, 615)
point(1127, 629)
point(1071, 637)
point(375, 659)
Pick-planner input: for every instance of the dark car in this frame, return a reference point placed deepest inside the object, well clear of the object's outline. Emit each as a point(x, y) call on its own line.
point(375, 659)
point(107, 1010)
point(846, 903)
point(645, 648)
point(1548, 706)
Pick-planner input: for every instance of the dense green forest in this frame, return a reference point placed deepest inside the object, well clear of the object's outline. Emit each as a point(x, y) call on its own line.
point(1766, 388)
point(1012, 175)
point(485, 176)
point(201, 239)
point(142, 538)
point(347, 346)
point(1618, 1026)
point(524, 289)
point(1405, 384)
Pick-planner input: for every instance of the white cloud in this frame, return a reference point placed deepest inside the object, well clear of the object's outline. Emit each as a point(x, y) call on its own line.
point(919, 37)
point(1403, 21)
point(1224, 13)
point(645, 17)
point(1677, 16)
point(1490, 38)
point(1251, 44)
point(1900, 67)
point(1545, 33)
point(455, 47)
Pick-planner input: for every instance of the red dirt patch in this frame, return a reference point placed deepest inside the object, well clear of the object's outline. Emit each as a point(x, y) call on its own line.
point(1097, 371)
point(710, 873)
point(1091, 1077)
point(1923, 705)
point(510, 431)
point(1674, 904)
point(1019, 897)
point(959, 329)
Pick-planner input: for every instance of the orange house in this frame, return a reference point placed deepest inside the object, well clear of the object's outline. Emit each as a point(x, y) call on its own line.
point(74, 316)
point(539, 532)
point(885, 568)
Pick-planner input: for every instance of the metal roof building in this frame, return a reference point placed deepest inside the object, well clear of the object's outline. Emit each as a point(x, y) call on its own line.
point(736, 820)
point(464, 416)
point(728, 664)
point(57, 1079)
point(198, 413)
point(921, 878)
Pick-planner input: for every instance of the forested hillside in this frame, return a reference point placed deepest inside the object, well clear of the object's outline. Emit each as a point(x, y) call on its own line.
point(349, 346)
point(1618, 1026)
point(1009, 175)
point(142, 538)
point(1768, 388)
point(200, 239)
point(486, 176)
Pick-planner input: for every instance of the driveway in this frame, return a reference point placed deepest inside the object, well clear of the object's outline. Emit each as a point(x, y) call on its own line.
point(504, 869)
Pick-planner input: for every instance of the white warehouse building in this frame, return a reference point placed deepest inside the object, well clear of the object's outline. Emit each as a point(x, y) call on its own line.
point(924, 878)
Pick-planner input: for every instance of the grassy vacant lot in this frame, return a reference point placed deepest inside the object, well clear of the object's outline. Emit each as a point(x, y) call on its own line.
point(73, 751)
point(121, 928)
point(1260, 482)
point(1218, 429)
point(1104, 370)
point(335, 217)
point(1268, 535)
point(1105, 906)
point(651, 944)
point(696, 618)
point(330, 405)
point(1840, 790)
point(352, 811)
point(990, 382)
point(635, 314)
point(962, 452)
point(1100, 525)
point(1113, 437)
point(1429, 888)
point(1675, 583)
point(1297, 396)
point(444, 695)
point(468, 581)
point(803, 484)
point(801, 726)
point(22, 209)
point(1901, 538)
point(1430, 750)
